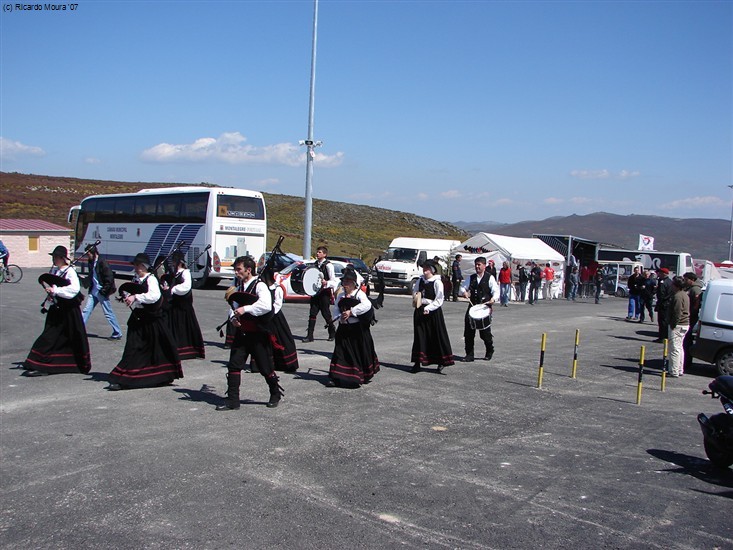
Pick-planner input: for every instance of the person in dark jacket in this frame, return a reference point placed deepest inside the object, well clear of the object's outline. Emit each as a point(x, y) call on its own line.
point(635, 284)
point(456, 277)
point(664, 298)
point(647, 295)
point(694, 292)
point(101, 284)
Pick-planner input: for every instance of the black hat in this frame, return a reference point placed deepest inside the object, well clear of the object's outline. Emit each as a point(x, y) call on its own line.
point(430, 265)
point(177, 257)
point(60, 252)
point(349, 275)
point(142, 258)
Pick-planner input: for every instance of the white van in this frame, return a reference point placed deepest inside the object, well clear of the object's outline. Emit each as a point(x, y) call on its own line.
point(402, 264)
point(714, 330)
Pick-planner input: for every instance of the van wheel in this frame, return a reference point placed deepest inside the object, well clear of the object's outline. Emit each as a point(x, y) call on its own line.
point(724, 362)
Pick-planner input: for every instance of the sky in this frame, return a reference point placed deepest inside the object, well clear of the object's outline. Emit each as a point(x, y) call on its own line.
point(454, 110)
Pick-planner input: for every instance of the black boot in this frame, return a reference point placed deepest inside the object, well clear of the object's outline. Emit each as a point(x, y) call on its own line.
point(231, 401)
point(331, 332)
point(276, 390)
point(311, 328)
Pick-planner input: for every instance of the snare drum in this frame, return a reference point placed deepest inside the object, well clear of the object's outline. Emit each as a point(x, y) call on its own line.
point(306, 281)
point(479, 317)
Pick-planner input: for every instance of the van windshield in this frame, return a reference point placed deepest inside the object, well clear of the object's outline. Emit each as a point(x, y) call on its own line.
point(408, 255)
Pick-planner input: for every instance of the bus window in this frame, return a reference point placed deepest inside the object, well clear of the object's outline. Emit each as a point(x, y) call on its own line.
point(124, 209)
point(145, 208)
point(169, 208)
point(229, 206)
point(193, 208)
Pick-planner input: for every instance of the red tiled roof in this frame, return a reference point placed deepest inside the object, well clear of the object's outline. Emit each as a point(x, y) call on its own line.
point(30, 225)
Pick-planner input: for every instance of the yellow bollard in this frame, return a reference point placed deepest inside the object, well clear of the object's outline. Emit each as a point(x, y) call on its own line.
point(575, 353)
point(665, 365)
point(641, 376)
point(542, 360)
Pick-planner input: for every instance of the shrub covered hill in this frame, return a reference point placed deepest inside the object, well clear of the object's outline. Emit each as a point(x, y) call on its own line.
point(347, 229)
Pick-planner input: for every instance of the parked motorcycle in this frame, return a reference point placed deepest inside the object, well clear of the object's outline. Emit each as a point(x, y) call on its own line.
point(717, 430)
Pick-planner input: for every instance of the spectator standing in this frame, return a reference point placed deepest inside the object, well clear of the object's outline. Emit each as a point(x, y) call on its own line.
point(549, 275)
point(678, 321)
point(523, 277)
point(456, 277)
point(635, 285)
point(694, 293)
point(664, 297)
point(573, 279)
point(585, 281)
point(598, 280)
point(535, 283)
point(647, 295)
point(505, 284)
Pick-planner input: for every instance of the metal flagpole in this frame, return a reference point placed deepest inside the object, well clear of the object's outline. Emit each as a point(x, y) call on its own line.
point(310, 145)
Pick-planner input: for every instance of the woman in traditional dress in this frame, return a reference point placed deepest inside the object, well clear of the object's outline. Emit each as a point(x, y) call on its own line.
point(431, 345)
point(354, 361)
point(181, 316)
point(63, 345)
point(150, 357)
point(284, 352)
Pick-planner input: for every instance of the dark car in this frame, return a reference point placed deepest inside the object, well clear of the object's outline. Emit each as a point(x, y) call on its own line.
point(359, 264)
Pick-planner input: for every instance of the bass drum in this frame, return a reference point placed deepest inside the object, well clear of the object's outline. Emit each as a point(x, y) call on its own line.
point(479, 317)
point(306, 281)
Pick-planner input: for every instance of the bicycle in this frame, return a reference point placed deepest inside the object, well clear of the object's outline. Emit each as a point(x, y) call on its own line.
point(10, 274)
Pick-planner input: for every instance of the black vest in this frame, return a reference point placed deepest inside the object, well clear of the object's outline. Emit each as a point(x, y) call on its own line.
point(480, 291)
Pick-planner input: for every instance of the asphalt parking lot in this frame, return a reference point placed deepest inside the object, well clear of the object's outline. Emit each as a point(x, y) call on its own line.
point(477, 457)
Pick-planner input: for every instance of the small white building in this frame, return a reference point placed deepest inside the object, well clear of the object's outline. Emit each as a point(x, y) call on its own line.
point(31, 241)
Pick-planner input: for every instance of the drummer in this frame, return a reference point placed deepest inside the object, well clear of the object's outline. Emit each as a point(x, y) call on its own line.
point(479, 288)
point(322, 301)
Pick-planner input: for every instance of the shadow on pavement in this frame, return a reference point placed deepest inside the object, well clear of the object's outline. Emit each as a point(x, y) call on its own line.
point(697, 467)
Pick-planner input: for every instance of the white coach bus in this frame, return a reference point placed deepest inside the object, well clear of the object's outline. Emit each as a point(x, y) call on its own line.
point(233, 222)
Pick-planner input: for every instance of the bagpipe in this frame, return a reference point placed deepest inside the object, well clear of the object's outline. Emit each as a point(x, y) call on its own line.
point(48, 280)
point(237, 299)
point(168, 279)
point(131, 288)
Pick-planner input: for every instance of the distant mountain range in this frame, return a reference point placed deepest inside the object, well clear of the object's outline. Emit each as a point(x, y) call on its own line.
point(703, 238)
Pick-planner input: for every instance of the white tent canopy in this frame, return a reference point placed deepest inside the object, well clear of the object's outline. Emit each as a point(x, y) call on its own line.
point(515, 250)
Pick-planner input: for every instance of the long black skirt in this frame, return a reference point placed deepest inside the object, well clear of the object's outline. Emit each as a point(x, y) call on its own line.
point(284, 353)
point(431, 345)
point(150, 357)
point(354, 361)
point(186, 331)
point(63, 345)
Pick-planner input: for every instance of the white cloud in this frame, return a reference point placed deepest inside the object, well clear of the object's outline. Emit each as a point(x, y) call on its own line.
point(627, 174)
point(451, 194)
point(695, 202)
point(11, 150)
point(590, 174)
point(553, 200)
point(92, 160)
point(503, 202)
point(422, 196)
point(231, 148)
point(604, 174)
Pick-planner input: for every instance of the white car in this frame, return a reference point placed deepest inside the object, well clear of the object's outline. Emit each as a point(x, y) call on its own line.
point(295, 270)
